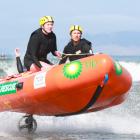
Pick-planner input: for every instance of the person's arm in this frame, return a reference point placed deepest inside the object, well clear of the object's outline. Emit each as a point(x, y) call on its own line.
point(91, 50)
point(88, 47)
point(33, 47)
point(64, 57)
point(54, 45)
point(63, 60)
point(18, 61)
point(54, 50)
point(19, 65)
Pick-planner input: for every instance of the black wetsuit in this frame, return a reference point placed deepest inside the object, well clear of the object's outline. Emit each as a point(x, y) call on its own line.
point(84, 46)
point(38, 47)
point(19, 65)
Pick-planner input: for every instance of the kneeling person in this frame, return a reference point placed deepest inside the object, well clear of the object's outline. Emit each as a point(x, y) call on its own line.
point(77, 46)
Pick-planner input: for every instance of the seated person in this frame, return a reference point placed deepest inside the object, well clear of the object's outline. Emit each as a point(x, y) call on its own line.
point(77, 47)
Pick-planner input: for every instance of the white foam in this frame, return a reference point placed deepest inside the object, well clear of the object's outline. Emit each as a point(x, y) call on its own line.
point(133, 68)
point(120, 119)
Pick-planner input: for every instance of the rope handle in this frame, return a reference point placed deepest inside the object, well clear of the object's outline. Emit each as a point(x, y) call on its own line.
point(81, 54)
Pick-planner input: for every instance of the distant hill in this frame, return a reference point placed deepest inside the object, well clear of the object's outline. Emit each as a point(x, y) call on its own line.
point(116, 38)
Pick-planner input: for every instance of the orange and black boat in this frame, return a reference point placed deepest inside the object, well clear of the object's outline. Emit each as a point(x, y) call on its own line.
point(86, 85)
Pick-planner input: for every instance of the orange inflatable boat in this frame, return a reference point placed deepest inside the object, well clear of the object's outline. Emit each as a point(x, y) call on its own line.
point(86, 85)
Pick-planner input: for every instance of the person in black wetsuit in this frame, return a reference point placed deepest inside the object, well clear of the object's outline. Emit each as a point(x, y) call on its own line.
point(42, 41)
point(77, 46)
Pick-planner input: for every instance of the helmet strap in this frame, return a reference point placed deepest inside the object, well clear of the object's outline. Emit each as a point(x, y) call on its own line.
point(44, 31)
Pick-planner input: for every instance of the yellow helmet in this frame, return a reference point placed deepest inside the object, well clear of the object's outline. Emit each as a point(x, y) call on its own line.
point(45, 19)
point(76, 27)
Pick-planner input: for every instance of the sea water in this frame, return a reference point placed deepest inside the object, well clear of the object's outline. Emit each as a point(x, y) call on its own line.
point(121, 122)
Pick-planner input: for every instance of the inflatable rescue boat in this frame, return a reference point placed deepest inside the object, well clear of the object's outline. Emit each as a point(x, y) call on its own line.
point(86, 85)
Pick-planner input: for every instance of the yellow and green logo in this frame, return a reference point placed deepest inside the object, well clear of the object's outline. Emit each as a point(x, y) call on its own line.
point(72, 70)
point(118, 68)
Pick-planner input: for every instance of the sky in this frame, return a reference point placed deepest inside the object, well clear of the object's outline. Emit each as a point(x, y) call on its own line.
point(18, 19)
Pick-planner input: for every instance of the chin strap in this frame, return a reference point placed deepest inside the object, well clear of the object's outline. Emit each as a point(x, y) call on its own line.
point(44, 30)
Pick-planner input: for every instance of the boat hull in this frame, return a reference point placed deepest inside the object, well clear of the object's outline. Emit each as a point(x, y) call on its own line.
point(67, 89)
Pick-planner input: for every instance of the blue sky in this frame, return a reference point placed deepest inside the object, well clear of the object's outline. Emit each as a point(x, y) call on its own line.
point(20, 18)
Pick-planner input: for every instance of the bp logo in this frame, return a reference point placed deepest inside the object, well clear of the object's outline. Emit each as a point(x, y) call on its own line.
point(8, 88)
point(118, 68)
point(72, 70)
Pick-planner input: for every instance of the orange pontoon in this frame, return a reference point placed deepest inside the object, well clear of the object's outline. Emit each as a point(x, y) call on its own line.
point(86, 85)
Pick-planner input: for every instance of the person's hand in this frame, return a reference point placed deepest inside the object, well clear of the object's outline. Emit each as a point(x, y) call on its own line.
point(43, 68)
point(17, 53)
point(46, 68)
point(58, 54)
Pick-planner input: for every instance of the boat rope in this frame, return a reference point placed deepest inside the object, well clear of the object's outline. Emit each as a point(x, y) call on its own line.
point(92, 101)
point(69, 54)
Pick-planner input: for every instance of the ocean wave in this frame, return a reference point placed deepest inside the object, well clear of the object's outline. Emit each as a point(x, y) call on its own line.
point(133, 68)
point(8, 68)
